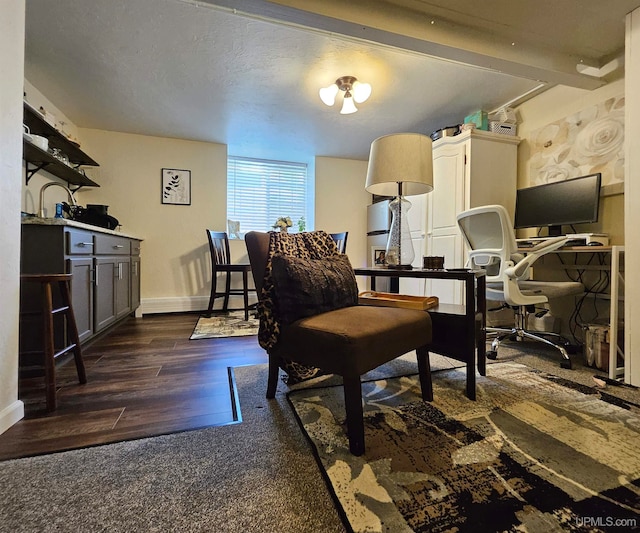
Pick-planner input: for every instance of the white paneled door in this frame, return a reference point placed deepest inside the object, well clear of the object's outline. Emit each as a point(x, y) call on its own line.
point(445, 202)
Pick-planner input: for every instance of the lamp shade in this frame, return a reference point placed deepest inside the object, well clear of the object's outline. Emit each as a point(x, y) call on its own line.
point(404, 158)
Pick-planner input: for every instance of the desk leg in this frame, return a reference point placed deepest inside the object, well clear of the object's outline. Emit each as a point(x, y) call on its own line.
point(482, 334)
point(472, 342)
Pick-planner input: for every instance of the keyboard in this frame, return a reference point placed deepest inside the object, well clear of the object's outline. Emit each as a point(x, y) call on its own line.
point(534, 241)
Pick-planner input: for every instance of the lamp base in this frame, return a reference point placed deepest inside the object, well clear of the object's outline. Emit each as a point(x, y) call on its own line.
point(400, 267)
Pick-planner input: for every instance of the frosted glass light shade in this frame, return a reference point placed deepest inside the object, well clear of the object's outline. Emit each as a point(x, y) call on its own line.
point(348, 106)
point(361, 92)
point(328, 94)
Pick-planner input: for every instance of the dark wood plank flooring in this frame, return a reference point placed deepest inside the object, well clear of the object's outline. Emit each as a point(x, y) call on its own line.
point(145, 378)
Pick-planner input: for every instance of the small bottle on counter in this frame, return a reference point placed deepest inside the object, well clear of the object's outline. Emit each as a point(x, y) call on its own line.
point(58, 211)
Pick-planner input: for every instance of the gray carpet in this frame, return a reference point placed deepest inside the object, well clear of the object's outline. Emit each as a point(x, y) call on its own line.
point(255, 476)
point(259, 475)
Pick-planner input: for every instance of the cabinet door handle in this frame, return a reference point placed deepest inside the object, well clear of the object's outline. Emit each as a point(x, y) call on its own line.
point(96, 275)
point(116, 246)
point(83, 244)
point(93, 276)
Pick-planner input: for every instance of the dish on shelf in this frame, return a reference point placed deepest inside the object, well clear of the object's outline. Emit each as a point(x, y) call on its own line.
point(40, 142)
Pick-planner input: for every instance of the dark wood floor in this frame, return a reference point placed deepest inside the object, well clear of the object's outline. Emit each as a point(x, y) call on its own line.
point(144, 378)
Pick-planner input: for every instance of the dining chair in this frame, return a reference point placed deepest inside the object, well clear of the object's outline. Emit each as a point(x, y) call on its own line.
point(221, 263)
point(341, 240)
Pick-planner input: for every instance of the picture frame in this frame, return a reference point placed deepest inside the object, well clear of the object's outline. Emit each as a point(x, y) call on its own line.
point(176, 186)
point(378, 254)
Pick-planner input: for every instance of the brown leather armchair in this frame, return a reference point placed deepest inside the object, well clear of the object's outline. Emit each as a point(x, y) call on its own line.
point(348, 341)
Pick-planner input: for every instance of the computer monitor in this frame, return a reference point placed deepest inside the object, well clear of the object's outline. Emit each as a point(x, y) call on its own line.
point(557, 204)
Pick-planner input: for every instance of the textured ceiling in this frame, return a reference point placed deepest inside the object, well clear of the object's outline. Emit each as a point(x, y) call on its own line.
point(190, 70)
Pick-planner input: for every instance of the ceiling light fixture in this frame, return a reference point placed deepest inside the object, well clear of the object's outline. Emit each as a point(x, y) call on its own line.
point(354, 91)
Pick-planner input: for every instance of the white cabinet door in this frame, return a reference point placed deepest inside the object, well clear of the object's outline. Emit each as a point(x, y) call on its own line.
point(446, 200)
point(470, 169)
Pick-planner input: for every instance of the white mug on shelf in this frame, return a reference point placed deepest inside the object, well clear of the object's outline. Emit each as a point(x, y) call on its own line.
point(26, 133)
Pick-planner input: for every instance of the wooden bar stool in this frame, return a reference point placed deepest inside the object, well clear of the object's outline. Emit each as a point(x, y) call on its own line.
point(49, 352)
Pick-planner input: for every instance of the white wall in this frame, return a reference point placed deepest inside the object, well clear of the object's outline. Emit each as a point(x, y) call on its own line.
point(632, 198)
point(12, 15)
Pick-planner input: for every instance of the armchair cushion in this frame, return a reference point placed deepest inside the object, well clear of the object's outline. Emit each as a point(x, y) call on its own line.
point(307, 287)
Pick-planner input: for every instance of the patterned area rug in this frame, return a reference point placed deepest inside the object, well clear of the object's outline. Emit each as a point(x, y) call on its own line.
point(231, 324)
point(534, 453)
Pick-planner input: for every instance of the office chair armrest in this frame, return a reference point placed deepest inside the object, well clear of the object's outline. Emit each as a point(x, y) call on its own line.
point(548, 245)
point(520, 268)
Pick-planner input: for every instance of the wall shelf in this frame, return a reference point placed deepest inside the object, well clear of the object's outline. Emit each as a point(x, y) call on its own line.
point(37, 159)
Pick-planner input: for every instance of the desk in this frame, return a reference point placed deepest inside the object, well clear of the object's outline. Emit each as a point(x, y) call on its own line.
point(614, 259)
point(458, 330)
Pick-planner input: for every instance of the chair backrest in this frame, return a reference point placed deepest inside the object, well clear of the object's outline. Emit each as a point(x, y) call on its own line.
point(489, 235)
point(219, 248)
point(258, 251)
point(341, 240)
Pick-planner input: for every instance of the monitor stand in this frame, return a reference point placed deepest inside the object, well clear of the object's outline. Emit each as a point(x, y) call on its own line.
point(555, 231)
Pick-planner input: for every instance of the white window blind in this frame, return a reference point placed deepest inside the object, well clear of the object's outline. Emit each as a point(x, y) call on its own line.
point(260, 191)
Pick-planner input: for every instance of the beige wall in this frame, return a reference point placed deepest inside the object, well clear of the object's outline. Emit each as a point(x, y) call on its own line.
point(556, 104)
point(341, 204)
point(12, 60)
point(175, 261)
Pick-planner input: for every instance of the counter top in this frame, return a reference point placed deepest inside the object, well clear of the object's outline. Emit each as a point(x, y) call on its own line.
point(74, 224)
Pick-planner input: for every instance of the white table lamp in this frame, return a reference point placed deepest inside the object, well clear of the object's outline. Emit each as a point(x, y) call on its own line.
point(400, 165)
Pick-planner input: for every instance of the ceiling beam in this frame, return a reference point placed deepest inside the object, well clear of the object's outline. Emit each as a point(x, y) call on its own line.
point(414, 31)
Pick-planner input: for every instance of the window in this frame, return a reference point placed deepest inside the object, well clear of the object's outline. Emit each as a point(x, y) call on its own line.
point(260, 191)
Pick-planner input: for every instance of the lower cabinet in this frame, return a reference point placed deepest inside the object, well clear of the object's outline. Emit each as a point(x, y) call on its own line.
point(106, 272)
point(135, 280)
point(105, 292)
point(123, 287)
point(82, 294)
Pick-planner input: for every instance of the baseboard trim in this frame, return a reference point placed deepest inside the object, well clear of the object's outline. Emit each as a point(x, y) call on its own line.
point(187, 304)
point(10, 415)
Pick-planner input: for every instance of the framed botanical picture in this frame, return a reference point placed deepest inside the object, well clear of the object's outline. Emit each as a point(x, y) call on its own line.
point(378, 255)
point(176, 186)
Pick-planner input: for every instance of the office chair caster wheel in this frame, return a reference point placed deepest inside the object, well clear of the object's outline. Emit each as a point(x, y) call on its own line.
point(566, 363)
point(492, 354)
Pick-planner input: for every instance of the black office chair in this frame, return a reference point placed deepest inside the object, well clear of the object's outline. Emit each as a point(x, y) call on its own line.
point(221, 262)
point(341, 241)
